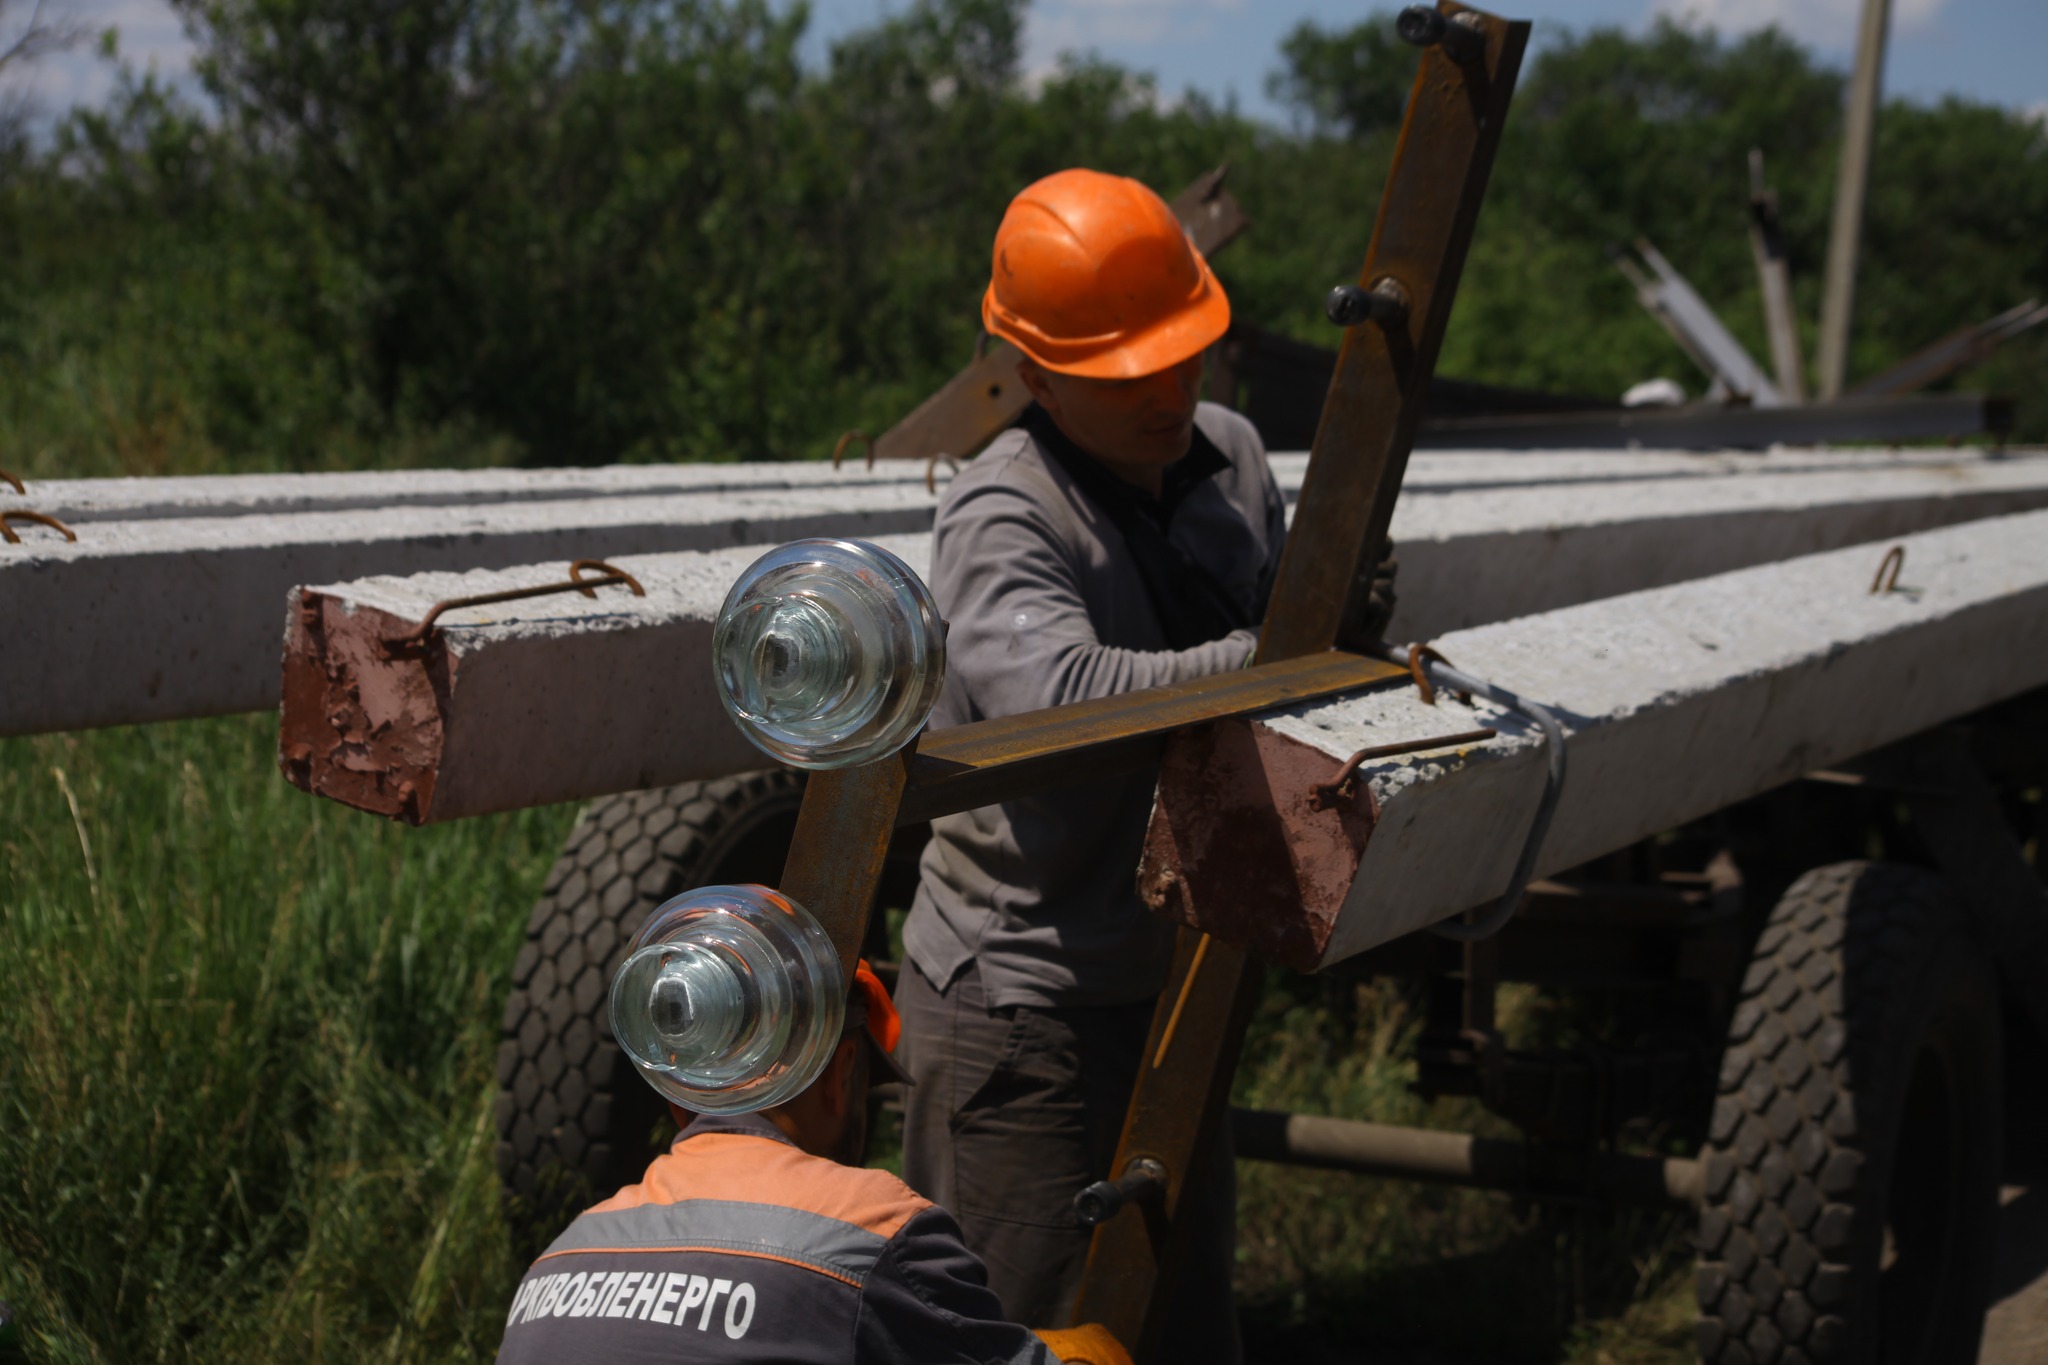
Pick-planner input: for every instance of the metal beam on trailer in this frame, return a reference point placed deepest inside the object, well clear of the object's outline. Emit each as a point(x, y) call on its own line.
point(1675, 702)
point(560, 698)
point(1957, 351)
point(1438, 1158)
point(1670, 298)
point(1774, 281)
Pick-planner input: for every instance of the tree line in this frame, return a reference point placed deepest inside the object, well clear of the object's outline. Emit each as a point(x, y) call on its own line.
point(446, 231)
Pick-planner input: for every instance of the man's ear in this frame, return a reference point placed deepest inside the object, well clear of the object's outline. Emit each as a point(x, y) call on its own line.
point(1036, 384)
point(839, 1092)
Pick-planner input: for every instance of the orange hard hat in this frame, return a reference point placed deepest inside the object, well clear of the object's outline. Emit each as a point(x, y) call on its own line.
point(1094, 276)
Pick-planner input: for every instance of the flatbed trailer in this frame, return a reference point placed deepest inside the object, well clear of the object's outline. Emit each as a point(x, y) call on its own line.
point(1781, 813)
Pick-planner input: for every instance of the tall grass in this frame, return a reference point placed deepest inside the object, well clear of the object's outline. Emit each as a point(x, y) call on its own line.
point(245, 1057)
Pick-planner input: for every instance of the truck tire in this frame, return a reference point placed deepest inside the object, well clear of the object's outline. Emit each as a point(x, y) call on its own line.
point(1851, 1170)
point(574, 1120)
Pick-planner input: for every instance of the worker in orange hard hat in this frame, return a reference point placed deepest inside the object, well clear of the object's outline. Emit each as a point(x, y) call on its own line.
point(1096, 282)
point(1095, 277)
point(1122, 535)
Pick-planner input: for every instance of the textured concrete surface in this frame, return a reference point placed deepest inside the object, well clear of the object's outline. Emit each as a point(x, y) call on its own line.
point(1488, 554)
point(80, 501)
point(550, 699)
point(482, 728)
point(1678, 701)
point(163, 617)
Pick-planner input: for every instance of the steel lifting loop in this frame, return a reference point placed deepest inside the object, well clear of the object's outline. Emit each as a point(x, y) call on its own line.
point(18, 514)
point(612, 574)
point(1553, 784)
point(1326, 795)
point(1416, 655)
point(839, 448)
point(931, 471)
point(982, 339)
point(576, 582)
point(9, 478)
point(1893, 561)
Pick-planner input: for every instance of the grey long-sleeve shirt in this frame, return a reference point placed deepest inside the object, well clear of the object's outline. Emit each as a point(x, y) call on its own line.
point(1045, 606)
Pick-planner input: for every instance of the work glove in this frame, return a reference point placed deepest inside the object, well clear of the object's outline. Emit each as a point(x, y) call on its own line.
point(1088, 1344)
point(1375, 608)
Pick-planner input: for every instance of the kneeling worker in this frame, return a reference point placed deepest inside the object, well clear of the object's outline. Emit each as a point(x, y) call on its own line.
point(750, 1241)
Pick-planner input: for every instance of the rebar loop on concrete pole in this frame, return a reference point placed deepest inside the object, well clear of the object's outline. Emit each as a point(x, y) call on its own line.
point(1838, 306)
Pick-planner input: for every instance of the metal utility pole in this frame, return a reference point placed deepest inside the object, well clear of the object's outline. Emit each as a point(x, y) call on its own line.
point(1839, 305)
point(1767, 244)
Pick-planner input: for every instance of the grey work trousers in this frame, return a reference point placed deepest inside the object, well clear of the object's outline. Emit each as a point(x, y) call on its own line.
point(1015, 1110)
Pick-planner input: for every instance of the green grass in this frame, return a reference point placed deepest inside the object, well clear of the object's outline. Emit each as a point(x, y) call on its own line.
point(246, 1046)
point(245, 1057)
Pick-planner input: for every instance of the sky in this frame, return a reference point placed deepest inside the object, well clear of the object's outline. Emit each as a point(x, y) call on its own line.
point(1994, 50)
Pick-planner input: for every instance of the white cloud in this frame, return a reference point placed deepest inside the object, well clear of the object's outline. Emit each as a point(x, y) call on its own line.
point(150, 36)
point(1827, 24)
point(2037, 111)
point(1056, 26)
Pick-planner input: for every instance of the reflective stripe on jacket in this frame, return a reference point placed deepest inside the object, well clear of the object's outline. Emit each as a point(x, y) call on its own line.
point(740, 1247)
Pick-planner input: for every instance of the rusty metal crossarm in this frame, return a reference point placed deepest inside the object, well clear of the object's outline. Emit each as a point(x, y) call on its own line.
point(967, 766)
point(1427, 215)
point(1419, 243)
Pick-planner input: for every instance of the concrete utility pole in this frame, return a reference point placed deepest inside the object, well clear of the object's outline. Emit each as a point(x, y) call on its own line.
point(559, 698)
point(1740, 682)
point(1838, 307)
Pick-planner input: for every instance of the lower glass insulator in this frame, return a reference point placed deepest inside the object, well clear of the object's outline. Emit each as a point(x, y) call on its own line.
point(731, 1000)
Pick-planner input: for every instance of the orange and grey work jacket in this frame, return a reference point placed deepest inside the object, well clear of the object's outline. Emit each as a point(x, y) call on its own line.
point(738, 1246)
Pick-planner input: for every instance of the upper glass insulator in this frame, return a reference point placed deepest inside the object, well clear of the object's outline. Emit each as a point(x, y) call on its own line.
point(731, 1000)
point(829, 653)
